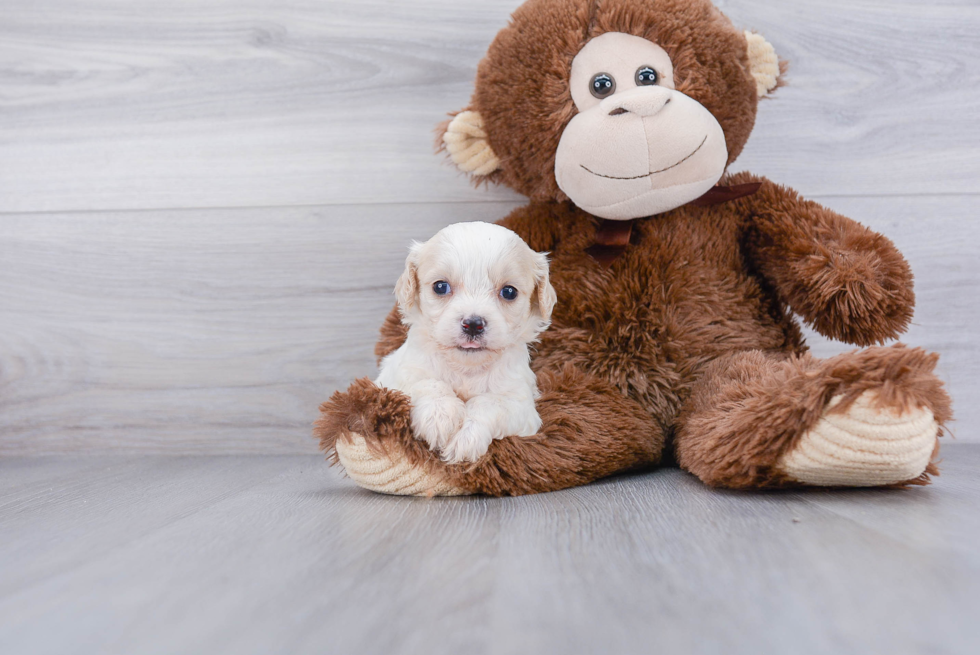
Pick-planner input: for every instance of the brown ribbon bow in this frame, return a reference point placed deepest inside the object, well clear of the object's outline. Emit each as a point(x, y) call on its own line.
point(613, 237)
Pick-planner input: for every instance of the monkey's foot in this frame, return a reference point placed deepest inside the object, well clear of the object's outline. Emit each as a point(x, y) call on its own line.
point(388, 473)
point(866, 445)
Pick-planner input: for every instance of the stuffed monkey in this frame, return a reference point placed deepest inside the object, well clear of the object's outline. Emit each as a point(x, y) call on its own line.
point(675, 337)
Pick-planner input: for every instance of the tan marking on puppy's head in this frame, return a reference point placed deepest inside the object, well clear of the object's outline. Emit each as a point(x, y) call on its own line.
point(545, 297)
point(407, 286)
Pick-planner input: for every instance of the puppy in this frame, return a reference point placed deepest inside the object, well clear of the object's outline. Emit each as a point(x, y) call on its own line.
point(473, 296)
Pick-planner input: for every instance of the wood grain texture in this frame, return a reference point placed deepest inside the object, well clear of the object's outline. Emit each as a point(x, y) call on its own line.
point(154, 554)
point(114, 104)
point(191, 331)
point(165, 329)
point(214, 331)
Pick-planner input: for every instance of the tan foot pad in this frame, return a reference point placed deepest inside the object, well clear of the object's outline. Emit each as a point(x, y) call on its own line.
point(866, 446)
point(388, 475)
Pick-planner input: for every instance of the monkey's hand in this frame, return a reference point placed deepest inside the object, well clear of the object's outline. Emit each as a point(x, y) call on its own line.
point(848, 282)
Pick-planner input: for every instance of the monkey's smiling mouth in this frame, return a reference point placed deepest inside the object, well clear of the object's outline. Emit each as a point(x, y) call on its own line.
point(637, 177)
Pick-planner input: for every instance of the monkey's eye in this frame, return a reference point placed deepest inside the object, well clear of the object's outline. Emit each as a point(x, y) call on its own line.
point(508, 293)
point(441, 288)
point(646, 76)
point(602, 85)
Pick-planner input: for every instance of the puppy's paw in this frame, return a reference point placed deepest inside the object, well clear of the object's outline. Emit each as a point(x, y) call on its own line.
point(437, 414)
point(530, 422)
point(467, 445)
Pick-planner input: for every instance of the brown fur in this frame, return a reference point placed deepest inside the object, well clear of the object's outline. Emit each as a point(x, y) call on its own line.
point(617, 434)
point(392, 335)
point(721, 439)
point(380, 415)
point(522, 84)
point(689, 334)
point(850, 283)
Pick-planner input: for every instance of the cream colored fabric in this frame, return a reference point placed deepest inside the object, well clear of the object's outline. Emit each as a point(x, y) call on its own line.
point(466, 141)
point(618, 55)
point(648, 160)
point(387, 475)
point(764, 63)
point(863, 447)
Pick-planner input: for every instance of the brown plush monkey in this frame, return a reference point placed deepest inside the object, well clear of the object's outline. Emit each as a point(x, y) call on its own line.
point(673, 331)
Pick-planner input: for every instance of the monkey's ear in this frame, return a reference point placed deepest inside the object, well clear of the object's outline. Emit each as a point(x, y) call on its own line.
point(763, 63)
point(466, 142)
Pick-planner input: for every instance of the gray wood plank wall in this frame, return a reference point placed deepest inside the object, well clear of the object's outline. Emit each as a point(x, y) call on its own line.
point(204, 205)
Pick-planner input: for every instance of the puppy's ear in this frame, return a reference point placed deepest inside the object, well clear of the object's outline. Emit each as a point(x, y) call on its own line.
point(544, 294)
point(407, 287)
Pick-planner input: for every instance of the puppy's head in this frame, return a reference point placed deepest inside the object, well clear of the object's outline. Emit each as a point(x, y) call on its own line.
point(475, 289)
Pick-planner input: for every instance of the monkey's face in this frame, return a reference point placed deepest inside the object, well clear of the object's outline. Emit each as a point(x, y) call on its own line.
point(629, 108)
point(637, 146)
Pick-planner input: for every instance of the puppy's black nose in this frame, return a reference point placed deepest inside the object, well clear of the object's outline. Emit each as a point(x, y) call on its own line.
point(473, 325)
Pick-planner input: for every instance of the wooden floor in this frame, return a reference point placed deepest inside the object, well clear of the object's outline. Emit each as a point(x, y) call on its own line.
point(279, 554)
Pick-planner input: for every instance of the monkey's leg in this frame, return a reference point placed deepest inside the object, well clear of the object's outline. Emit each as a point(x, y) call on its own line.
point(866, 418)
point(589, 431)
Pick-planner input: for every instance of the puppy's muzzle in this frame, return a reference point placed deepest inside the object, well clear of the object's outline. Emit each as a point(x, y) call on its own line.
point(473, 326)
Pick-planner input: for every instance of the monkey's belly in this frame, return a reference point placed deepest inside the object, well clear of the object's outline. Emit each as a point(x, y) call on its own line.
point(653, 358)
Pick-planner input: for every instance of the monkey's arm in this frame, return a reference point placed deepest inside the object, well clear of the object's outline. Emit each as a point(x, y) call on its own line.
point(589, 431)
point(392, 335)
point(845, 280)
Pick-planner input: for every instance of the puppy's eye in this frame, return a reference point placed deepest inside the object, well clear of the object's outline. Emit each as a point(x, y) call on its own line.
point(646, 76)
point(441, 288)
point(602, 85)
point(508, 293)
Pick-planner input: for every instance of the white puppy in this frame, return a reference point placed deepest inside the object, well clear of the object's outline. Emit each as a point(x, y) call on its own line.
point(473, 296)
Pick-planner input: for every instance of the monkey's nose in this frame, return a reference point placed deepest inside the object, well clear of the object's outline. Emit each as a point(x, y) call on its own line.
point(473, 326)
point(644, 101)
